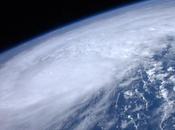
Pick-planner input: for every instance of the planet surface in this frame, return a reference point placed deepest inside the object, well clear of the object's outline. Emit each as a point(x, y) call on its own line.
point(114, 71)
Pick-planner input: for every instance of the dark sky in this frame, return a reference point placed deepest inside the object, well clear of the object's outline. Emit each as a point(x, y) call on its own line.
point(25, 20)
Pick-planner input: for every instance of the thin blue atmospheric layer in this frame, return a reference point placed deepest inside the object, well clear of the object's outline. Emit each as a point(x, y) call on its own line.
point(61, 29)
point(137, 102)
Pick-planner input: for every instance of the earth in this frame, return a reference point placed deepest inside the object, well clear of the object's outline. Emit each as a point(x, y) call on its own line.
point(113, 71)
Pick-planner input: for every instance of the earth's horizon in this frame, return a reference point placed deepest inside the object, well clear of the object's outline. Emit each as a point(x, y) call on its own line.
point(114, 71)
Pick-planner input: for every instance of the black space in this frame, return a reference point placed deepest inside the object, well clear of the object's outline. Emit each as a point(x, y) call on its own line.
point(24, 20)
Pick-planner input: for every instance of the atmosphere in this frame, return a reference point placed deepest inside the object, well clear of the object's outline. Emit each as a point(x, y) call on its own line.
point(25, 20)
